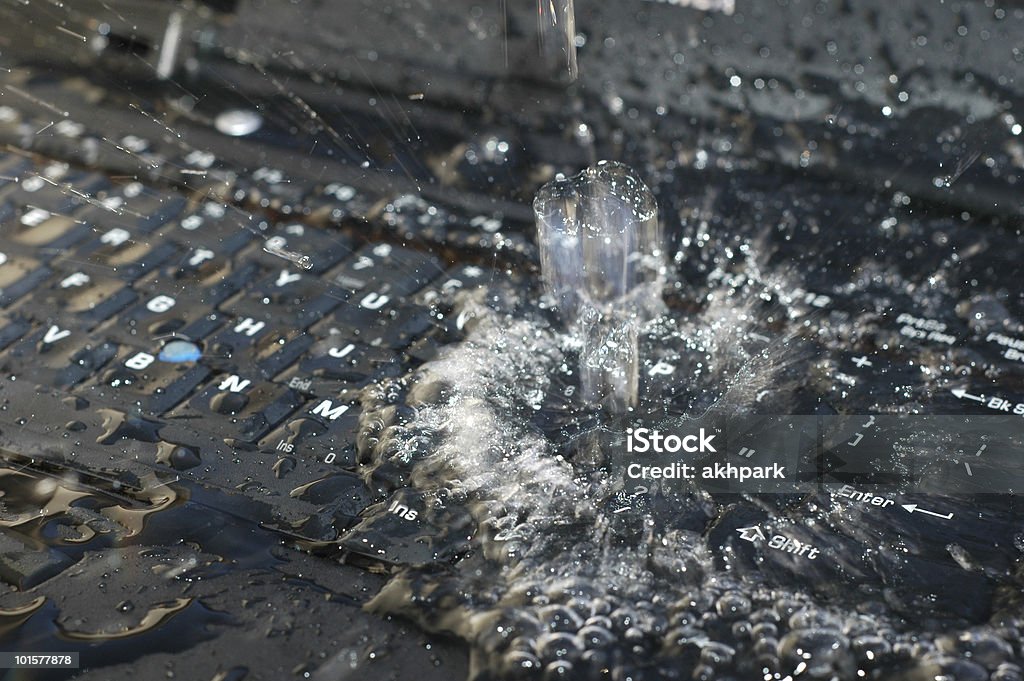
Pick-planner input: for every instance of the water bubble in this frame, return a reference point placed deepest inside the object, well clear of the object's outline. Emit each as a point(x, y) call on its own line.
point(177, 456)
point(822, 652)
point(733, 605)
point(560, 618)
point(520, 662)
point(560, 645)
point(238, 122)
point(595, 636)
point(559, 669)
point(177, 351)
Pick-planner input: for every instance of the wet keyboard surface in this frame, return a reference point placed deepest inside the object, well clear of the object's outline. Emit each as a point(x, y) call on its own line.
point(314, 357)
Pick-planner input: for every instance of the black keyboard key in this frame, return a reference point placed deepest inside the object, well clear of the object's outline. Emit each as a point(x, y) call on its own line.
point(102, 303)
point(336, 365)
point(315, 309)
point(269, 188)
point(160, 315)
point(138, 380)
point(198, 267)
point(211, 222)
point(407, 530)
point(116, 157)
point(205, 261)
point(335, 358)
point(287, 286)
point(12, 330)
point(244, 408)
point(427, 348)
point(378, 321)
point(19, 276)
point(49, 233)
point(455, 279)
point(336, 203)
point(256, 425)
point(203, 326)
point(325, 430)
point(49, 344)
point(60, 355)
point(134, 207)
point(231, 284)
point(285, 356)
point(108, 245)
point(62, 196)
point(23, 565)
point(65, 140)
point(130, 259)
point(148, 261)
point(381, 273)
point(341, 495)
point(409, 324)
point(412, 217)
point(288, 293)
point(322, 248)
point(61, 234)
point(55, 189)
point(163, 399)
point(242, 336)
point(84, 363)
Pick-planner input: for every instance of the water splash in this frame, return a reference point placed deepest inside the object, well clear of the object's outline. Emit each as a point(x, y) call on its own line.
point(603, 262)
point(575, 572)
point(556, 30)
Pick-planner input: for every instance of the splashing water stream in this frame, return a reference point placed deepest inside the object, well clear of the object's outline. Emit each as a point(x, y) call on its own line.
point(603, 263)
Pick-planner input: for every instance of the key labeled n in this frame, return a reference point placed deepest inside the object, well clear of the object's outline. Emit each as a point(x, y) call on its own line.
point(234, 383)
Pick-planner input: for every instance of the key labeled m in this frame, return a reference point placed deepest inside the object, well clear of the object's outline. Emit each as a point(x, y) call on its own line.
point(327, 410)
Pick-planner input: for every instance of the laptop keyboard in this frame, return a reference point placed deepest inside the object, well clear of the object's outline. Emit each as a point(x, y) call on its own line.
point(230, 319)
point(215, 329)
point(177, 316)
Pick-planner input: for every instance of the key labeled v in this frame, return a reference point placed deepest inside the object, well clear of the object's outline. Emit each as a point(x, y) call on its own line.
point(55, 333)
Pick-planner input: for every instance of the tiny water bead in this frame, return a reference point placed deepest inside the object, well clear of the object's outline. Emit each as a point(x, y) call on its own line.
point(177, 351)
point(238, 122)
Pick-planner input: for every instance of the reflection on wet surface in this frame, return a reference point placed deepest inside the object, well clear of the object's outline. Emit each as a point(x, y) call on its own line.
point(179, 576)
